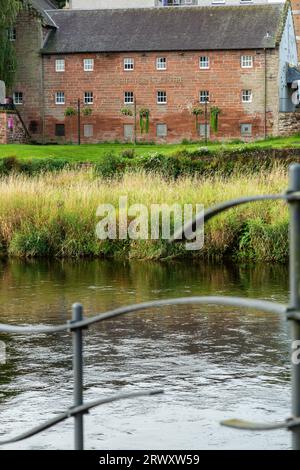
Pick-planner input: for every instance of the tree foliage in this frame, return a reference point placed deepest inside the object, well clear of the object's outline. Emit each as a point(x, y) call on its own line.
point(8, 13)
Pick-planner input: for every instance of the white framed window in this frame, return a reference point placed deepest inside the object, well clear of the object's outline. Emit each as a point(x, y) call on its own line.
point(128, 97)
point(246, 129)
point(128, 63)
point(161, 63)
point(161, 130)
point(12, 34)
point(88, 65)
point(161, 97)
point(246, 96)
point(204, 96)
point(60, 97)
point(246, 61)
point(204, 62)
point(18, 97)
point(88, 130)
point(88, 97)
point(60, 65)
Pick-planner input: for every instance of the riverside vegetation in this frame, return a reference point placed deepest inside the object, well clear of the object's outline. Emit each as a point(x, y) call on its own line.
point(50, 210)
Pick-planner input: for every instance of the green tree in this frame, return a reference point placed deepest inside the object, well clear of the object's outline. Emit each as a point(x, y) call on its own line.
point(9, 10)
point(8, 13)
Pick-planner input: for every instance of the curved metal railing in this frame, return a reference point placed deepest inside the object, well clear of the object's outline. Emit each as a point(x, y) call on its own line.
point(292, 312)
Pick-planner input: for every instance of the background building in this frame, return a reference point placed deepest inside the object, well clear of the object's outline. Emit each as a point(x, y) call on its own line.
point(109, 4)
point(168, 61)
point(117, 4)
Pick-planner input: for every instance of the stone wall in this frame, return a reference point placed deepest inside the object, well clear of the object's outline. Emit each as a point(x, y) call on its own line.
point(11, 135)
point(29, 73)
point(289, 123)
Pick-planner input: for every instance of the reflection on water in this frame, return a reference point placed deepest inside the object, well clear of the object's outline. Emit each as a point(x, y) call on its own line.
point(213, 362)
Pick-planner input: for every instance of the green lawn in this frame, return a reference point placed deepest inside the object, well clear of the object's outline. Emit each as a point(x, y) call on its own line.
point(95, 152)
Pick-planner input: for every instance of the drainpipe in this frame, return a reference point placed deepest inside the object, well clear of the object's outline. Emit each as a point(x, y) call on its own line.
point(43, 100)
point(135, 114)
point(265, 92)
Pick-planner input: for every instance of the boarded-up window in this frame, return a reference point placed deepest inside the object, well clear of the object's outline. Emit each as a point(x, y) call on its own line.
point(128, 131)
point(33, 127)
point(60, 130)
point(246, 129)
point(88, 130)
point(161, 130)
point(204, 130)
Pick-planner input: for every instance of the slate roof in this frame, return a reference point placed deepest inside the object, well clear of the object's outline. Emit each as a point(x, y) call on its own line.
point(166, 29)
point(42, 6)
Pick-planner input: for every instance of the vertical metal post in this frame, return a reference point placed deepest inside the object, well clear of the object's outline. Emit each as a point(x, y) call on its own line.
point(79, 121)
point(77, 315)
point(294, 186)
point(206, 120)
point(134, 114)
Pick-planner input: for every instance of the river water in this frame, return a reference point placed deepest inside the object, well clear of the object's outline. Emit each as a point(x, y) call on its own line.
point(213, 362)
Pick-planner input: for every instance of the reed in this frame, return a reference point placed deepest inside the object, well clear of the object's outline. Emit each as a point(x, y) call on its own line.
point(54, 214)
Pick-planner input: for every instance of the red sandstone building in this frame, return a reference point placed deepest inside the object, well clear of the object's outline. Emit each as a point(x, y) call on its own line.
point(169, 62)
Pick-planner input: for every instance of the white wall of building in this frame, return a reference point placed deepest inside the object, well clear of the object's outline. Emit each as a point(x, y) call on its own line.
point(287, 56)
point(112, 4)
point(109, 4)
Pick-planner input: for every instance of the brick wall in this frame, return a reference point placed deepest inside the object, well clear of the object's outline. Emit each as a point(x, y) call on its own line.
point(14, 135)
point(183, 80)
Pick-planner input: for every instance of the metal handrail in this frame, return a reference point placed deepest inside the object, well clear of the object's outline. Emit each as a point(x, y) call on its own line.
point(78, 410)
point(263, 305)
point(292, 312)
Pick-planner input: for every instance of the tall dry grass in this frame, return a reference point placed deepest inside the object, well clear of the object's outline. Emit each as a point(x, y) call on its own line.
point(55, 214)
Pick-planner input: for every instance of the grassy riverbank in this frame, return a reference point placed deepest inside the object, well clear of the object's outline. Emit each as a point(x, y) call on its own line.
point(95, 153)
point(54, 214)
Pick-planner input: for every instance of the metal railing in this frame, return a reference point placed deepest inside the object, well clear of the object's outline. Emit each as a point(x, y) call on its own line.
point(291, 311)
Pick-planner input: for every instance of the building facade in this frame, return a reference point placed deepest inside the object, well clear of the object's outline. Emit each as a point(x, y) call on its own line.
point(169, 64)
point(118, 4)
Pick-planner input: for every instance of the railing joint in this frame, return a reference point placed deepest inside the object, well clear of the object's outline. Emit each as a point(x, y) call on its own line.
point(293, 314)
point(71, 411)
point(291, 195)
point(72, 325)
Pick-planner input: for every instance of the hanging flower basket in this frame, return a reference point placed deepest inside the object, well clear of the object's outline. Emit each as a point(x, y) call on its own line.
point(126, 112)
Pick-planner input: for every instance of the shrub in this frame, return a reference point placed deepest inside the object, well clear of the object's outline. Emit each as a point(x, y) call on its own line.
point(110, 166)
point(128, 153)
point(8, 165)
